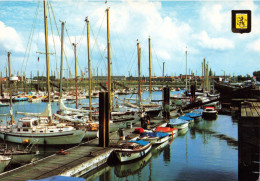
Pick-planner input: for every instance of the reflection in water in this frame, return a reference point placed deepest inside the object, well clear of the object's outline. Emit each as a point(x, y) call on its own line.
point(99, 173)
point(167, 154)
point(124, 170)
point(157, 150)
point(182, 132)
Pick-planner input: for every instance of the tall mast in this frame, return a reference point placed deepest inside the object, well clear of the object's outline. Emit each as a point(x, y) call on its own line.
point(47, 57)
point(10, 88)
point(163, 72)
point(108, 60)
point(89, 71)
point(76, 78)
point(150, 66)
point(204, 75)
point(139, 73)
point(1, 84)
point(47, 50)
point(61, 57)
point(186, 69)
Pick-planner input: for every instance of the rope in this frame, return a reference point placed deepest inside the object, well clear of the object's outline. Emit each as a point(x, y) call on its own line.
point(29, 43)
point(96, 42)
point(59, 33)
point(132, 59)
point(52, 35)
point(157, 59)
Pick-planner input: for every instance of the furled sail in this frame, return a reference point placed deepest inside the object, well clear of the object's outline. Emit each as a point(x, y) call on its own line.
point(66, 118)
point(46, 112)
point(64, 108)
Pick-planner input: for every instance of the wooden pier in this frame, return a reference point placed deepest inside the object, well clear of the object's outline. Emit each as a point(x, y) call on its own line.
point(249, 141)
point(80, 159)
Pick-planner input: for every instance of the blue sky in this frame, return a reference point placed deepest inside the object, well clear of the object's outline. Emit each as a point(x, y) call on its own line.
point(204, 27)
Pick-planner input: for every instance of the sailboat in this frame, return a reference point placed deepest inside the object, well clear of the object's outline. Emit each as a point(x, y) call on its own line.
point(41, 128)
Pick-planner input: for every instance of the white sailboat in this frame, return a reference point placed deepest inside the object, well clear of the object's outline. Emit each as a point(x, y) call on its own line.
point(40, 128)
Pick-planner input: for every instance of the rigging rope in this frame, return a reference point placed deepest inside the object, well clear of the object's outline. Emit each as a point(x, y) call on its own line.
point(59, 34)
point(29, 43)
point(52, 36)
point(157, 59)
point(96, 43)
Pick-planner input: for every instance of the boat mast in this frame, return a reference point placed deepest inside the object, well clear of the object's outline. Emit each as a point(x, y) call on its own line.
point(150, 66)
point(47, 53)
point(76, 79)
point(61, 57)
point(89, 71)
point(47, 50)
point(139, 73)
point(10, 88)
point(108, 60)
point(186, 68)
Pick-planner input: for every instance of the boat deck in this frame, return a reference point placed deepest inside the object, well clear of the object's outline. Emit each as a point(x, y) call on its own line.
point(79, 160)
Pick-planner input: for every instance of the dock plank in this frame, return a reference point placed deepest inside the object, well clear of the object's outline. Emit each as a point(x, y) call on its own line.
point(243, 112)
point(248, 112)
point(254, 112)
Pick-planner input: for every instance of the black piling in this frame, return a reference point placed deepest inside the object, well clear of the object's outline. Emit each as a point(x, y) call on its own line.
point(193, 90)
point(166, 103)
point(104, 119)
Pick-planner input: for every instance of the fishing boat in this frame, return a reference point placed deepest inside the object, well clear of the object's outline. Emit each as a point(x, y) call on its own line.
point(4, 162)
point(209, 113)
point(132, 150)
point(19, 156)
point(35, 99)
point(124, 170)
point(178, 123)
point(154, 137)
point(20, 98)
point(187, 118)
point(166, 129)
point(3, 104)
point(194, 115)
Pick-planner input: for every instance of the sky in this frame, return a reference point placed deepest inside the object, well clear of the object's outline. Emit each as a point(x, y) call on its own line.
point(202, 28)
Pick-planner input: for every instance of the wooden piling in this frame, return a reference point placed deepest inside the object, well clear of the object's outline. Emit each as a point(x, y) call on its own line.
point(249, 141)
point(104, 119)
point(166, 103)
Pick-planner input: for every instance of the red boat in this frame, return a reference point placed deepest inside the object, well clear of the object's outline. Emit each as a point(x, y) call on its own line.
point(170, 131)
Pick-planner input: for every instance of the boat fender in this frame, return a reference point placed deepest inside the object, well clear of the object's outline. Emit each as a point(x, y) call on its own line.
point(62, 152)
point(26, 141)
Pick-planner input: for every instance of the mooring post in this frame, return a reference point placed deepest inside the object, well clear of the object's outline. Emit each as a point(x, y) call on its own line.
point(166, 103)
point(193, 90)
point(104, 119)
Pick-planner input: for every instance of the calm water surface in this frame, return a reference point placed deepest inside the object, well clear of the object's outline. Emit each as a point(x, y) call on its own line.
point(195, 155)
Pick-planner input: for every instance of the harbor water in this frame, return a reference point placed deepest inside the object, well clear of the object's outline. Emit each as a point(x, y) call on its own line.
point(206, 151)
point(194, 155)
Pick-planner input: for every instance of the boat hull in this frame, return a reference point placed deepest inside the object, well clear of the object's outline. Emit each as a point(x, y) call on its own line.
point(4, 162)
point(209, 115)
point(155, 140)
point(125, 155)
point(65, 138)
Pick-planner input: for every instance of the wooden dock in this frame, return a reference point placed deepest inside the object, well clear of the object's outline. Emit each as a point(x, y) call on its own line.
point(79, 160)
point(249, 141)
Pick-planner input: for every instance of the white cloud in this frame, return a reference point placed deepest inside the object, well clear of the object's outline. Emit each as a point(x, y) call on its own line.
point(215, 17)
point(255, 46)
point(10, 39)
point(213, 43)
